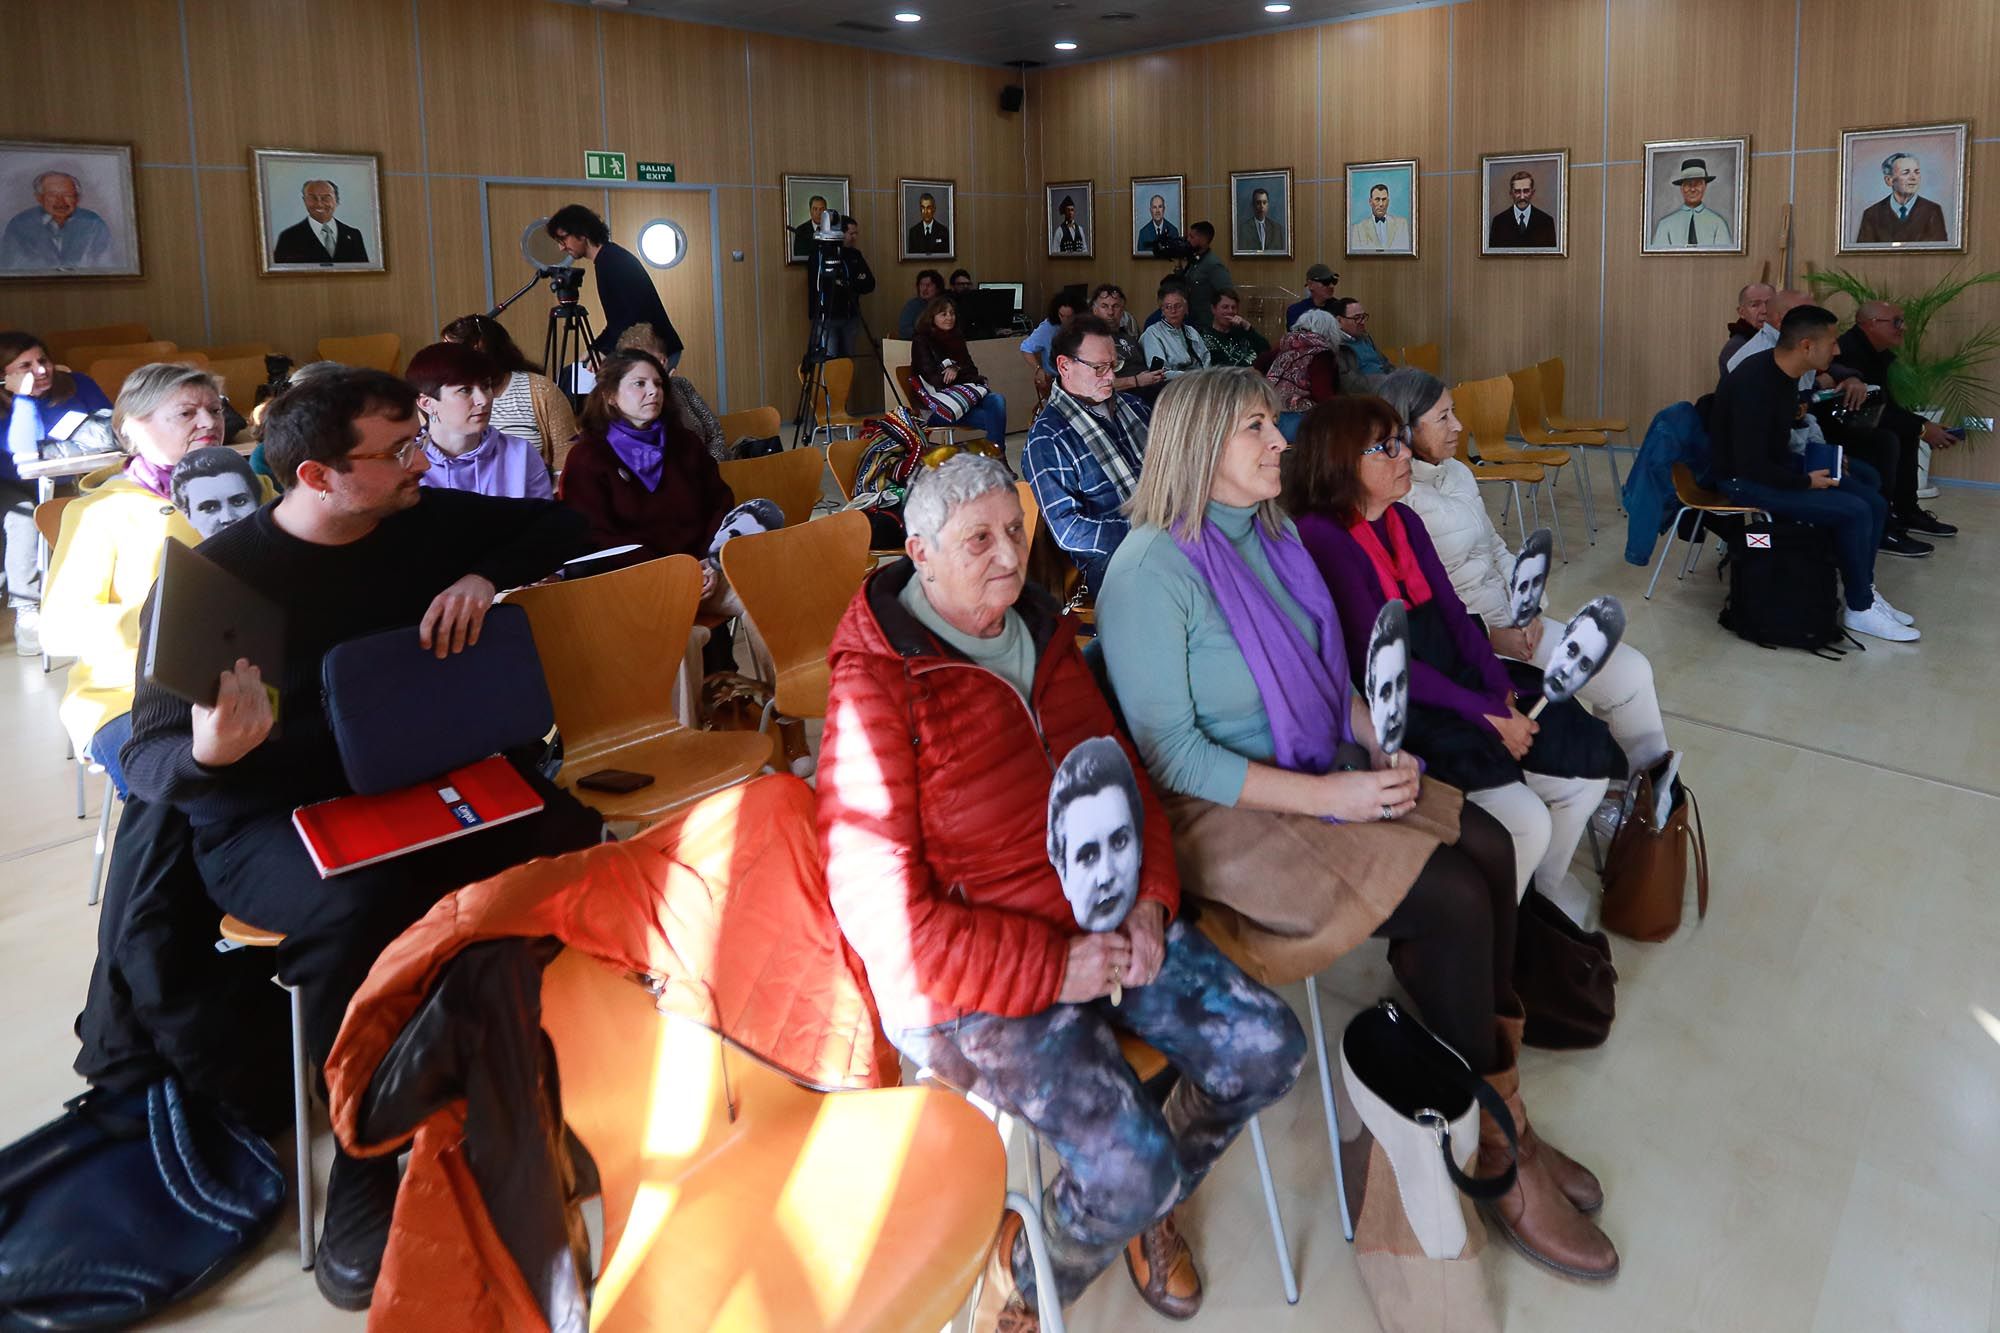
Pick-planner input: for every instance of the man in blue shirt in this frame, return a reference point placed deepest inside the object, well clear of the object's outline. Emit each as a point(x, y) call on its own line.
point(56, 233)
point(1320, 282)
point(1085, 449)
point(1352, 317)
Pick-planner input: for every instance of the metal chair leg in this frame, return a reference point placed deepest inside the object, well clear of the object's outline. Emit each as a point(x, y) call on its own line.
point(79, 789)
point(301, 1126)
point(1326, 1105)
point(103, 841)
point(1694, 546)
point(1046, 1300)
point(1617, 486)
point(1278, 1240)
point(1665, 551)
point(1555, 522)
point(1581, 455)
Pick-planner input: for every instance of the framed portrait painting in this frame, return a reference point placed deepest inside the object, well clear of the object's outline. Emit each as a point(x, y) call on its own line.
point(318, 212)
point(70, 210)
point(1382, 208)
point(928, 219)
point(1902, 188)
point(1524, 203)
point(1158, 204)
point(1260, 213)
point(807, 198)
point(1070, 208)
point(1697, 197)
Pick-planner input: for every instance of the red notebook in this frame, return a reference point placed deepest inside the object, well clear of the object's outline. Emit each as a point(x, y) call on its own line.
point(349, 832)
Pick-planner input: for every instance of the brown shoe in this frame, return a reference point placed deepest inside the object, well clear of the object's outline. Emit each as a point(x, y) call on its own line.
point(1535, 1216)
point(1001, 1307)
point(1162, 1268)
point(1574, 1179)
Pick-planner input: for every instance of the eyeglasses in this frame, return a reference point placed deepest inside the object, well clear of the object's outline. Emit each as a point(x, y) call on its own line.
point(404, 454)
point(1101, 368)
point(1895, 323)
point(1393, 446)
point(1361, 318)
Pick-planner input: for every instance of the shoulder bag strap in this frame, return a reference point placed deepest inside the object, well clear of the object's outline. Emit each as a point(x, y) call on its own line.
point(1477, 1187)
point(1698, 838)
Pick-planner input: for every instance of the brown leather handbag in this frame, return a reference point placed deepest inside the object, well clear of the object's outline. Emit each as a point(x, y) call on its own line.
point(1645, 870)
point(1564, 978)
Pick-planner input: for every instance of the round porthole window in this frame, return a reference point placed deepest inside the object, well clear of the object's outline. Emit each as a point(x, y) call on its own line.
point(662, 243)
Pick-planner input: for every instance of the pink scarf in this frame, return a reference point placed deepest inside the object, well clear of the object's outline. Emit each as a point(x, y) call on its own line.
point(159, 480)
point(1399, 576)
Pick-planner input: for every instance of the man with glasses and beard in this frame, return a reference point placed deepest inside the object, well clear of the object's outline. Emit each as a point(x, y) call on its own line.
point(1085, 448)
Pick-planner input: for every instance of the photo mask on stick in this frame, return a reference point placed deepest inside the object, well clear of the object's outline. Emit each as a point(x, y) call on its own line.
point(1387, 678)
point(1591, 636)
point(214, 487)
point(1530, 577)
point(1095, 824)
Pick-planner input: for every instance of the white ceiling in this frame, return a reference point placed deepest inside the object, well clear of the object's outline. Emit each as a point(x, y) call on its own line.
point(1001, 32)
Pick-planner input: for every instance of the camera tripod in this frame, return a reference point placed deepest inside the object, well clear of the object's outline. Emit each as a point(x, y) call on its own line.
point(569, 337)
point(826, 282)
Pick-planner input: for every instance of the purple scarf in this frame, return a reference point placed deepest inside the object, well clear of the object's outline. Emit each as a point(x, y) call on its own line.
point(1306, 697)
point(159, 480)
point(641, 449)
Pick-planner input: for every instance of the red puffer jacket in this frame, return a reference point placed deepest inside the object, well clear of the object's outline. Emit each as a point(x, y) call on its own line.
point(933, 810)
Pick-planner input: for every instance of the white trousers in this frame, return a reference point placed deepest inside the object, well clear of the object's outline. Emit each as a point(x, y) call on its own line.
point(1547, 817)
point(1622, 694)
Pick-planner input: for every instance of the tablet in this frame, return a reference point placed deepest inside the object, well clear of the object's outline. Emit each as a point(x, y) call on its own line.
point(204, 618)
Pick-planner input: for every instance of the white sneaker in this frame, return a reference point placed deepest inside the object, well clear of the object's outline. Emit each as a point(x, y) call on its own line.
point(1902, 617)
point(27, 631)
point(1878, 623)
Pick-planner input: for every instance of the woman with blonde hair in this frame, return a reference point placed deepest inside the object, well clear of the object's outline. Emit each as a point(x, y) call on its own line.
point(1301, 838)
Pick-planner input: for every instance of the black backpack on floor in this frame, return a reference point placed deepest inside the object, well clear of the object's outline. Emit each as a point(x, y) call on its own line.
point(1784, 588)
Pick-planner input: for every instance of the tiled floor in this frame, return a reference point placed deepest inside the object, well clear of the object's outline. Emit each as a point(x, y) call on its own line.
point(1797, 1117)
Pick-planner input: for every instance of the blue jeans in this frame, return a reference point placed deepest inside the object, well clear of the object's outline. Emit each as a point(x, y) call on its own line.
point(989, 414)
point(1854, 510)
point(1125, 1161)
point(104, 747)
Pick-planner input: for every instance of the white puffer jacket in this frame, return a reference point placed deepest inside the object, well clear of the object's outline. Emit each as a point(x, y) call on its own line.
point(1446, 498)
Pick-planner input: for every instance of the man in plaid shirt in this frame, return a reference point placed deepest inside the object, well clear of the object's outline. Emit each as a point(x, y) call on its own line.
point(1085, 448)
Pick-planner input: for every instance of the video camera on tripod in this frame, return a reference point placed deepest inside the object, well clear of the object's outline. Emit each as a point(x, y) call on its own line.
point(570, 338)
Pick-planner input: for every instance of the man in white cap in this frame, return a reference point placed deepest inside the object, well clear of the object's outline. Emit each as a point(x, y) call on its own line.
point(1694, 225)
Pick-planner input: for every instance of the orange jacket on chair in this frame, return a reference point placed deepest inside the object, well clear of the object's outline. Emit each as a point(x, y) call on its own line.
point(722, 906)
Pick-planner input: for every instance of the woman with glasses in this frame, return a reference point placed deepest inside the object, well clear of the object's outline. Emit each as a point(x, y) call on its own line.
point(1541, 778)
point(1302, 839)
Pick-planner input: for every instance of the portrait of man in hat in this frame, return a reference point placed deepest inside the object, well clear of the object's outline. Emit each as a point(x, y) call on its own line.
point(1694, 196)
point(1070, 219)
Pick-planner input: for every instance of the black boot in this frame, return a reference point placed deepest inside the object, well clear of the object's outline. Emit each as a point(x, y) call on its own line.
point(360, 1198)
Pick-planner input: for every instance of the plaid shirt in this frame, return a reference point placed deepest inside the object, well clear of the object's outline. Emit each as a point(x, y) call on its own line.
point(1079, 503)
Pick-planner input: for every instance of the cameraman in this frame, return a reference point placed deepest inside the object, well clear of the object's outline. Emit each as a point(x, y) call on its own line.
point(625, 292)
point(835, 286)
point(1205, 275)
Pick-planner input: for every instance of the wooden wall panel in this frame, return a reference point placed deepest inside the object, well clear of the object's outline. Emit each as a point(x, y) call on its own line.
point(1278, 75)
point(997, 160)
point(1914, 62)
point(346, 86)
point(659, 114)
point(1528, 75)
point(510, 86)
point(1071, 122)
point(811, 110)
point(1735, 80)
point(922, 123)
point(740, 333)
point(129, 90)
point(460, 266)
point(1511, 312)
point(1161, 104)
point(1387, 88)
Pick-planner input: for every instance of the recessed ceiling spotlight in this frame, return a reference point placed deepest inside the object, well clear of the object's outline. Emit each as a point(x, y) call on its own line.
point(1065, 46)
point(1277, 9)
point(909, 16)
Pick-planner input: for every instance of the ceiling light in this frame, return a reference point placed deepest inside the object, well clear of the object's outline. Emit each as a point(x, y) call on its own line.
point(909, 16)
point(1065, 46)
point(1277, 9)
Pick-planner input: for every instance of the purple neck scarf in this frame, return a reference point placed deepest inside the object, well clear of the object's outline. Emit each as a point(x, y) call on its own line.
point(642, 449)
point(1306, 696)
point(159, 480)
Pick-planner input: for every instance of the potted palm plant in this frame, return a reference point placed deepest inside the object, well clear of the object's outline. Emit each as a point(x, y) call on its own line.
point(1934, 374)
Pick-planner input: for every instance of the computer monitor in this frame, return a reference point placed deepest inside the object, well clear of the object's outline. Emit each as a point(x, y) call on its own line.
point(1018, 289)
point(987, 313)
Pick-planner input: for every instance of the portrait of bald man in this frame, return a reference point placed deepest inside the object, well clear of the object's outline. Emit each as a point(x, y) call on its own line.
point(320, 237)
point(58, 232)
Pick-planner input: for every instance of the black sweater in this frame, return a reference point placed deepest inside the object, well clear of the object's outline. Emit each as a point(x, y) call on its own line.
point(1750, 425)
point(626, 293)
point(331, 594)
point(1872, 365)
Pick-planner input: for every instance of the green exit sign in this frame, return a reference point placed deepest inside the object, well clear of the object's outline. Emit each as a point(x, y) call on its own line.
point(657, 173)
point(603, 166)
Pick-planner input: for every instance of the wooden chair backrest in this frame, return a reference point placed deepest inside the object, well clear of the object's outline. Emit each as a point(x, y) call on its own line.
point(112, 372)
point(62, 344)
point(157, 349)
point(1424, 356)
point(1483, 406)
point(229, 351)
point(1030, 508)
point(241, 376)
point(843, 459)
point(610, 646)
point(1552, 375)
point(753, 423)
point(793, 478)
point(796, 583)
point(1528, 404)
point(907, 377)
point(372, 351)
point(48, 520)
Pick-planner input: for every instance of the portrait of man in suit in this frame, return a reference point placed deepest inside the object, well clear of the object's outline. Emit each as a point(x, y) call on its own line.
point(1380, 230)
point(1157, 227)
point(1521, 225)
point(1258, 231)
point(320, 237)
point(1904, 215)
point(928, 235)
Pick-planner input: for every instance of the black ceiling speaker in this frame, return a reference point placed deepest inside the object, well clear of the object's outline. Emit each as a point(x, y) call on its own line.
point(1012, 96)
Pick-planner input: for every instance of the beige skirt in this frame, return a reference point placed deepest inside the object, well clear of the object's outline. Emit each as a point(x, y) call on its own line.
point(1284, 895)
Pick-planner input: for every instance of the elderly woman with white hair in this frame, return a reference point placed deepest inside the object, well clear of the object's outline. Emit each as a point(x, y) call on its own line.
point(956, 692)
point(108, 553)
point(1308, 366)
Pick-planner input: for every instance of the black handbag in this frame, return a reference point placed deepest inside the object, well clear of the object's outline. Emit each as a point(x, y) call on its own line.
point(124, 1205)
point(1564, 978)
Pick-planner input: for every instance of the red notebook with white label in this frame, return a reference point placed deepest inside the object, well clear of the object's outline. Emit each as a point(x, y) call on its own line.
point(349, 832)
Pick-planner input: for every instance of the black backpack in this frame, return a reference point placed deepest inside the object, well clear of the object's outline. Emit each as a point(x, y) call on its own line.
point(1784, 588)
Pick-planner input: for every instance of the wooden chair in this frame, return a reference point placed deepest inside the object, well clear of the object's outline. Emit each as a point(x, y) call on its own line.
point(611, 645)
point(1484, 406)
point(241, 377)
point(1552, 407)
point(1531, 408)
point(1424, 356)
point(830, 411)
point(372, 351)
point(239, 934)
point(793, 478)
point(111, 372)
point(1702, 504)
point(735, 1198)
point(48, 519)
point(62, 345)
point(843, 459)
point(752, 423)
point(230, 351)
point(1031, 508)
point(795, 585)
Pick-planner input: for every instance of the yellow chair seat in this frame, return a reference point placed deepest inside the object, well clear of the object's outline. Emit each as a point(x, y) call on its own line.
point(802, 689)
point(1540, 457)
point(1587, 425)
point(685, 765)
point(1530, 473)
point(238, 931)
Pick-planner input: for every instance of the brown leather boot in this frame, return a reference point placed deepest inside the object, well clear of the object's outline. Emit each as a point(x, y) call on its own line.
point(1574, 1179)
point(1536, 1216)
point(1162, 1268)
point(1001, 1307)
